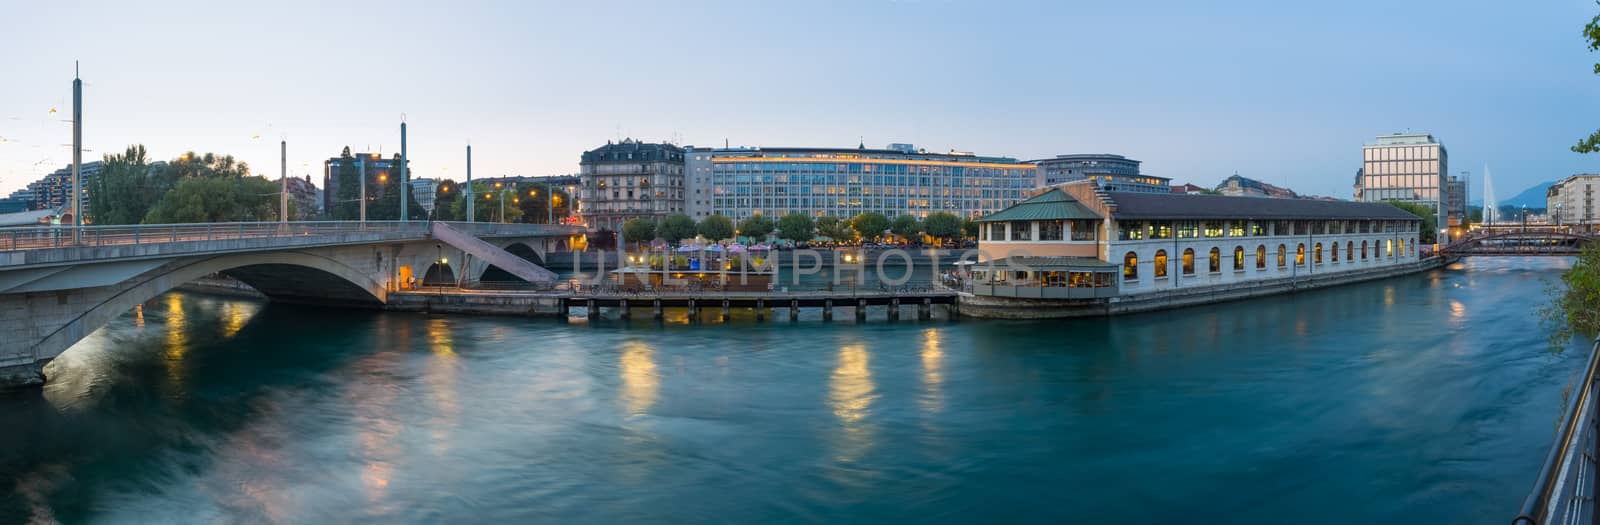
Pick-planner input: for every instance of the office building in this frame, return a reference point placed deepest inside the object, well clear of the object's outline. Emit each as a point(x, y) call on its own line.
point(1111, 172)
point(1570, 201)
point(629, 179)
point(1406, 167)
point(55, 190)
point(380, 171)
point(1455, 201)
point(844, 182)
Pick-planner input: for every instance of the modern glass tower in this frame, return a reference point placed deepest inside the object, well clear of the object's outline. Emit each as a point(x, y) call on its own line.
point(1405, 167)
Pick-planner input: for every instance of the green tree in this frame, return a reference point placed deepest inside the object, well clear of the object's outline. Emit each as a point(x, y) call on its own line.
point(836, 229)
point(638, 230)
point(870, 224)
point(209, 165)
point(486, 207)
point(906, 227)
point(796, 227)
point(217, 199)
point(675, 228)
point(757, 227)
point(128, 185)
point(716, 227)
point(1430, 221)
point(969, 228)
point(942, 225)
point(1591, 35)
point(347, 199)
point(1574, 307)
point(446, 198)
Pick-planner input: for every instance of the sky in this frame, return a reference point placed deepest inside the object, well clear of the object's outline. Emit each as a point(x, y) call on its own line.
point(1284, 92)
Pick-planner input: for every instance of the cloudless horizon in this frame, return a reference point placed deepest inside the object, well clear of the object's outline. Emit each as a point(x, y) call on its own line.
point(1279, 92)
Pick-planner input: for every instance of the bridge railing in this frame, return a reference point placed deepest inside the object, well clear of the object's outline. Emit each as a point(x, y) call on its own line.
point(14, 239)
point(1565, 489)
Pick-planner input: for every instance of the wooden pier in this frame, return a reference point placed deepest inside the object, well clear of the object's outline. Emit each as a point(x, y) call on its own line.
point(627, 304)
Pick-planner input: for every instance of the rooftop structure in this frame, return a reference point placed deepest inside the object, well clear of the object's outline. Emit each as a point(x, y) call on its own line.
point(1111, 172)
point(1237, 186)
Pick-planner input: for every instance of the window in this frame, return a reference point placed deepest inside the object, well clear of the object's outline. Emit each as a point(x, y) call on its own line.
point(1363, 250)
point(1257, 229)
point(1130, 267)
point(1261, 257)
point(1215, 260)
point(1236, 229)
point(1402, 247)
point(1350, 250)
point(1021, 231)
point(1161, 230)
point(1283, 251)
point(1212, 228)
point(1238, 258)
point(1316, 254)
point(1388, 248)
point(1084, 230)
point(1188, 229)
point(1161, 263)
point(1051, 230)
point(1300, 255)
point(1131, 231)
point(1188, 261)
point(1335, 251)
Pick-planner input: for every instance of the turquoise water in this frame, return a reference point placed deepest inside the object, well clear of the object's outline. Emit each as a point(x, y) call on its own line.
point(1423, 399)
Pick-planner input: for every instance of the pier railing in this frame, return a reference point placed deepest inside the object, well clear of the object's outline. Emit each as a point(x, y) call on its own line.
point(1565, 489)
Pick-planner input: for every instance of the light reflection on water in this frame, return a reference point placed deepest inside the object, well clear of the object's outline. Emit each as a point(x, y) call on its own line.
point(1422, 399)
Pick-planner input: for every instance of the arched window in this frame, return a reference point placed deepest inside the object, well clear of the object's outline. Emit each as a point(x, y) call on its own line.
point(1188, 261)
point(1334, 251)
point(1215, 260)
point(1161, 263)
point(1238, 258)
point(1130, 267)
point(1261, 257)
point(1316, 254)
point(1300, 255)
point(1350, 250)
point(1388, 248)
point(1402, 247)
point(1363, 250)
point(1413, 247)
point(1282, 252)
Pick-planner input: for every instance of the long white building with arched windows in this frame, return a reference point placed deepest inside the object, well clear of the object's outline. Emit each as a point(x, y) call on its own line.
point(1075, 243)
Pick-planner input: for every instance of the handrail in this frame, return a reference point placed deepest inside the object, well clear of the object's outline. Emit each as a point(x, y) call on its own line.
point(46, 237)
point(1565, 489)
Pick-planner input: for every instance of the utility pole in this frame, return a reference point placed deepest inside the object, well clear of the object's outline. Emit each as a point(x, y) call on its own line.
point(77, 155)
point(471, 206)
point(405, 182)
point(362, 163)
point(283, 181)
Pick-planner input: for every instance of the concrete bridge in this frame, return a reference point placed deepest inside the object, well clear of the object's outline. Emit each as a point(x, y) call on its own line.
point(57, 285)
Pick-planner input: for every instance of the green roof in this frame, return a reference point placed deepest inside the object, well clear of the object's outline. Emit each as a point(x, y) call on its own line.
point(1051, 205)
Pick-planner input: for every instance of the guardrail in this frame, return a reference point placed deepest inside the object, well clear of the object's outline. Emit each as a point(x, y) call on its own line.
point(45, 237)
point(1564, 492)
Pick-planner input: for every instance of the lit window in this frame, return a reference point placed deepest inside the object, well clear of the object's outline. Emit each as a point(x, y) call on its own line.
point(1130, 267)
point(1261, 257)
point(1238, 258)
point(1316, 254)
point(1215, 260)
point(1300, 255)
point(1283, 251)
point(1188, 261)
point(1161, 263)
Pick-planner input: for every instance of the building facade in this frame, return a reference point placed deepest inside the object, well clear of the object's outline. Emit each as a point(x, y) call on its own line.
point(379, 169)
point(1111, 172)
point(1570, 201)
point(1455, 202)
point(55, 190)
point(1161, 242)
point(1237, 186)
point(1407, 168)
point(629, 179)
point(844, 182)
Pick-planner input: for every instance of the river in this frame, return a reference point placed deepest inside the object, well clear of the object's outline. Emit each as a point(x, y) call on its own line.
point(1423, 399)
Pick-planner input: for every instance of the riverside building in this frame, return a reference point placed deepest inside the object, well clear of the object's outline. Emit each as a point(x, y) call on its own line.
point(844, 182)
point(1408, 168)
point(1111, 172)
point(1570, 201)
point(629, 179)
point(1122, 244)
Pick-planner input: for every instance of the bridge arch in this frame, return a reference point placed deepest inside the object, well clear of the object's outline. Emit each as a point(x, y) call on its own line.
point(281, 276)
point(520, 249)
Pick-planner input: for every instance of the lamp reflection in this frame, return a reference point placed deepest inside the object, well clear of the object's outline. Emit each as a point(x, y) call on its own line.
point(640, 381)
point(176, 343)
point(851, 394)
point(441, 377)
point(932, 400)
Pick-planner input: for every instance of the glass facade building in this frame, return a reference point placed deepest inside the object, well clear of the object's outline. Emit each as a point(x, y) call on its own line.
point(1110, 172)
point(1404, 167)
point(843, 182)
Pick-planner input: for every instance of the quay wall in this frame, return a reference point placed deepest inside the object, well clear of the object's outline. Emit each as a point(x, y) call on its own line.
point(1012, 308)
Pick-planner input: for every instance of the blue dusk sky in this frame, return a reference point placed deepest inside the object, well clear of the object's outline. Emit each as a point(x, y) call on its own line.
point(1285, 92)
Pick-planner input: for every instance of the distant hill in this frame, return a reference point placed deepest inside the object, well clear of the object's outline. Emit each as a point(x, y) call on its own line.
point(1531, 197)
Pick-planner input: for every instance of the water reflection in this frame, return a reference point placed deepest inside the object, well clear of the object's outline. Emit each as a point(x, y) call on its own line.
point(640, 381)
point(176, 346)
point(440, 375)
point(851, 393)
point(932, 400)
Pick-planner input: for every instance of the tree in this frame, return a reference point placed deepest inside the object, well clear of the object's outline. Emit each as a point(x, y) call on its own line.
point(756, 226)
point(446, 197)
point(217, 199)
point(796, 227)
point(716, 227)
point(1430, 221)
point(675, 228)
point(486, 206)
point(1574, 307)
point(347, 199)
point(638, 230)
point(836, 229)
point(1591, 34)
point(942, 225)
point(969, 228)
point(870, 224)
point(905, 226)
point(128, 185)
